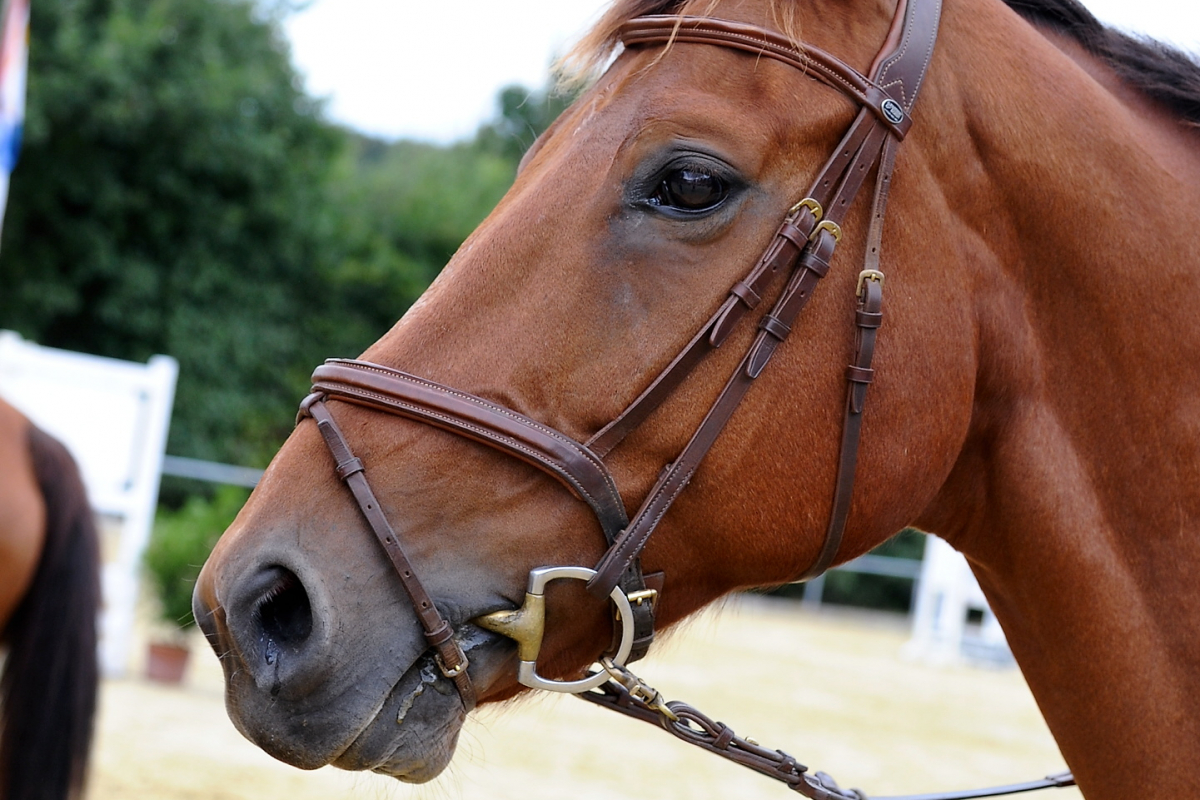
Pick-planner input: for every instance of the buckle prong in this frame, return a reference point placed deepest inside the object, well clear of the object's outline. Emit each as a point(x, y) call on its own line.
point(451, 672)
point(645, 595)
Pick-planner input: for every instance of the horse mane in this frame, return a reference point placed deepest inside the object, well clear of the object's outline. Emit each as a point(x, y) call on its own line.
point(1161, 72)
point(1164, 73)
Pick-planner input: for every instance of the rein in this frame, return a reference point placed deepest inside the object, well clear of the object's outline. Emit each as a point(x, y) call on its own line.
point(801, 249)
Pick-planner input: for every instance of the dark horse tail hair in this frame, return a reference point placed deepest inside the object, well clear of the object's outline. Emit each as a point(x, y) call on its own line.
point(48, 689)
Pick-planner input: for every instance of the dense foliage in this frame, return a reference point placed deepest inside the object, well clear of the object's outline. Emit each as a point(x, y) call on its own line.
point(168, 199)
point(178, 193)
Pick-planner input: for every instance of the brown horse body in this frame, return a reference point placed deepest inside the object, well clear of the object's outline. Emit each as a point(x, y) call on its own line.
point(23, 524)
point(1034, 401)
point(49, 599)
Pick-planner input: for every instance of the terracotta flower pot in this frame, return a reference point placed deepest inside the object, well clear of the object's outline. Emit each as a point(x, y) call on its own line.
point(166, 663)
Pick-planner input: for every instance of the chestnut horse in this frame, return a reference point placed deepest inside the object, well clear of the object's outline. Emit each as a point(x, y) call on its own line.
point(1035, 381)
point(49, 599)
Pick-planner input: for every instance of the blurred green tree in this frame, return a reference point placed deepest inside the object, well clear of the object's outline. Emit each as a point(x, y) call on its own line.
point(522, 115)
point(179, 193)
point(416, 202)
point(414, 205)
point(171, 197)
point(179, 544)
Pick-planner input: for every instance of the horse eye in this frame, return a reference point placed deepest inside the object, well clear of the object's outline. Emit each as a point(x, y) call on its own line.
point(690, 189)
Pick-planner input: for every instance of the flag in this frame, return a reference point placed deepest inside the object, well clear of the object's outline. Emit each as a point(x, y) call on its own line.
point(14, 61)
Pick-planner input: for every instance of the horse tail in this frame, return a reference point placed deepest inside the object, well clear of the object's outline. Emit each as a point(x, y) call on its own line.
point(50, 678)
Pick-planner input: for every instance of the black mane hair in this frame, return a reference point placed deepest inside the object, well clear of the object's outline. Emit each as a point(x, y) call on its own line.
point(1160, 71)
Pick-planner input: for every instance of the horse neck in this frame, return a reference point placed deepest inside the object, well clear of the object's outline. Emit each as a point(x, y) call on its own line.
point(1074, 496)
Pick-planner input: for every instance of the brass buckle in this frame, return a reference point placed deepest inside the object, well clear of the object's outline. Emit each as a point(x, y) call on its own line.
point(868, 275)
point(452, 672)
point(527, 626)
point(826, 225)
point(811, 204)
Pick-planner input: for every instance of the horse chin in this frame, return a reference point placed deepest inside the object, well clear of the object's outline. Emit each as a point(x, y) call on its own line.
point(413, 735)
point(409, 732)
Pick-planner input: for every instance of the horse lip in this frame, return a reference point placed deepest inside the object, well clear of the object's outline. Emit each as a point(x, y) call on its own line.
point(420, 694)
point(411, 750)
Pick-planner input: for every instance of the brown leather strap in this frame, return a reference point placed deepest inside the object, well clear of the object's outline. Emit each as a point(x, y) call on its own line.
point(744, 296)
point(406, 395)
point(667, 29)
point(690, 725)
point(858, 377)
point(883, 120)
point(839, 181)
point(450, 657)
point(901, 71)
point(900, 65)
point(555, 453)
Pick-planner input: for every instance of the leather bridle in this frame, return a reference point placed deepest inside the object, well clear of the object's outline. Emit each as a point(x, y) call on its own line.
point(801, 250)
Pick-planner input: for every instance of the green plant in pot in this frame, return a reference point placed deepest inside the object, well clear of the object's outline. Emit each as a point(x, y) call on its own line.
point(178, 548)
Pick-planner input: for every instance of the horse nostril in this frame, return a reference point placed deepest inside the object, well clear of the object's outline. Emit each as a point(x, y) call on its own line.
point(273, 631)
point(283, 611)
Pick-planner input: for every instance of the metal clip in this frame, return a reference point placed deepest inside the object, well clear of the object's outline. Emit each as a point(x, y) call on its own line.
point(868, 275)
point(638, 689)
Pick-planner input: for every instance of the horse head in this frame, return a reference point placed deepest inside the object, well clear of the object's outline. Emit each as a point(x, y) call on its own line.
point(628, 223)
point(633, 235)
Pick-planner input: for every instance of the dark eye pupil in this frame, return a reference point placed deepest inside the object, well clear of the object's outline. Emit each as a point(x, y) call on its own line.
point(691, 189)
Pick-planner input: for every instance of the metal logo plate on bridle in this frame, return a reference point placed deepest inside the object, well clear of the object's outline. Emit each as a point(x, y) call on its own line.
point(892, 110)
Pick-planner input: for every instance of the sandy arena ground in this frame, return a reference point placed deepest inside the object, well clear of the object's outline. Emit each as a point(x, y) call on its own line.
point(831, 688)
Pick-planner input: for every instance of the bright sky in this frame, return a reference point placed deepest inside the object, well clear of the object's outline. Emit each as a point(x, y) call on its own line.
point(431, 70)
